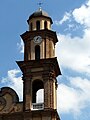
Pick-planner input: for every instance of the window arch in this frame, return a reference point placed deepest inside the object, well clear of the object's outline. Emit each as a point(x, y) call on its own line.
point(38, 25)
point(37, 52)
point(36, 86)
point(45, 24)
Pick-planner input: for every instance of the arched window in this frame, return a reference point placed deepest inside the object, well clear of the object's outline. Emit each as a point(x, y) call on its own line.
point(37, 52)
point(38, 25)
point(31, 26)
point(45, 24)
point(36, 86)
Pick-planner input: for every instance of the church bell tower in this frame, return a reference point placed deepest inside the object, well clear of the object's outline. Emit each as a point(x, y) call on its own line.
point(40, 68)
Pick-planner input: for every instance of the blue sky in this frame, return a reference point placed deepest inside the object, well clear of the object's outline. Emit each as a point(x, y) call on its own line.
point(71, 21)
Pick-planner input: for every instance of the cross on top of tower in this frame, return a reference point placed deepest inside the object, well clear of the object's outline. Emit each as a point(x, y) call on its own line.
point(40, 4)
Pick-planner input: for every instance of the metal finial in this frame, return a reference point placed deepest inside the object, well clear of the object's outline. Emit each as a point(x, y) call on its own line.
point(40, 4)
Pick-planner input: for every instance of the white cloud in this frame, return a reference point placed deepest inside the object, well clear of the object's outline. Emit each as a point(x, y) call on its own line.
point(88, 3)
point(14, 81)
point(74, 53)
point(66, 99)
point(79, 15)
point(65, 18)
point(82, 14)
point(74, 97)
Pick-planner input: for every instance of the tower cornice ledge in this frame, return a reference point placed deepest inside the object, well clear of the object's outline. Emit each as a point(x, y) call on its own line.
point(50, 62)
point(45, 33)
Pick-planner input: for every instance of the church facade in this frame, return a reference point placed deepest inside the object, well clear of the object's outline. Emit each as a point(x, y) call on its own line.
point(39, 69)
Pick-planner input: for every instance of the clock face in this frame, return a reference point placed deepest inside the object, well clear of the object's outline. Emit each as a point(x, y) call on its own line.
point(37, 39)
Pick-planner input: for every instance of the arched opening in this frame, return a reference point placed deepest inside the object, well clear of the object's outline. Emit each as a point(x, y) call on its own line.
point(37, 95)
point(36, 86)
point(37, 52)
point(45, 24)
point(38, 25)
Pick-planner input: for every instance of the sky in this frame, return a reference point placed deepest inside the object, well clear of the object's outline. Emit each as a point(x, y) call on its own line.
point(71, 21)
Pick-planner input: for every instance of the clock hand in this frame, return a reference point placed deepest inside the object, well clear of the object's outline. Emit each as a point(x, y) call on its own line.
point(37, 38)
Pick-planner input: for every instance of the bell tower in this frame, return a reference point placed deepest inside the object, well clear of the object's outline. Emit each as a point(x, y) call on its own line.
point(40, 67)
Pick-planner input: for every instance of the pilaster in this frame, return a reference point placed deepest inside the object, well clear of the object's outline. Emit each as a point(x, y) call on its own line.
point(27, 93)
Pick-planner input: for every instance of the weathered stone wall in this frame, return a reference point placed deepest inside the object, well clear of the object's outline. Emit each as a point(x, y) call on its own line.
point(9, 101)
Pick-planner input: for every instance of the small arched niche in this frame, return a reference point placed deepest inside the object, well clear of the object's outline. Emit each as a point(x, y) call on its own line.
point(37, 52)
point(45, 25)
point(37, 25)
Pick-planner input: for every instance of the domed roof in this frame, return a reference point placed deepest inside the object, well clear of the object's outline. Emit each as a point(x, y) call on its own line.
point(40, 13)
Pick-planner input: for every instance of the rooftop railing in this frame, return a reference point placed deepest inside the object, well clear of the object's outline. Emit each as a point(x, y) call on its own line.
point(37, 106)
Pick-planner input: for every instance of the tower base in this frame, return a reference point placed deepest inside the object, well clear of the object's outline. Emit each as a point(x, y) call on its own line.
point(32, 115)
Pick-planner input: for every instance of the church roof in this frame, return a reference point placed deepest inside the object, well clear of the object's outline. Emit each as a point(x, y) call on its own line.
point(40, 13)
